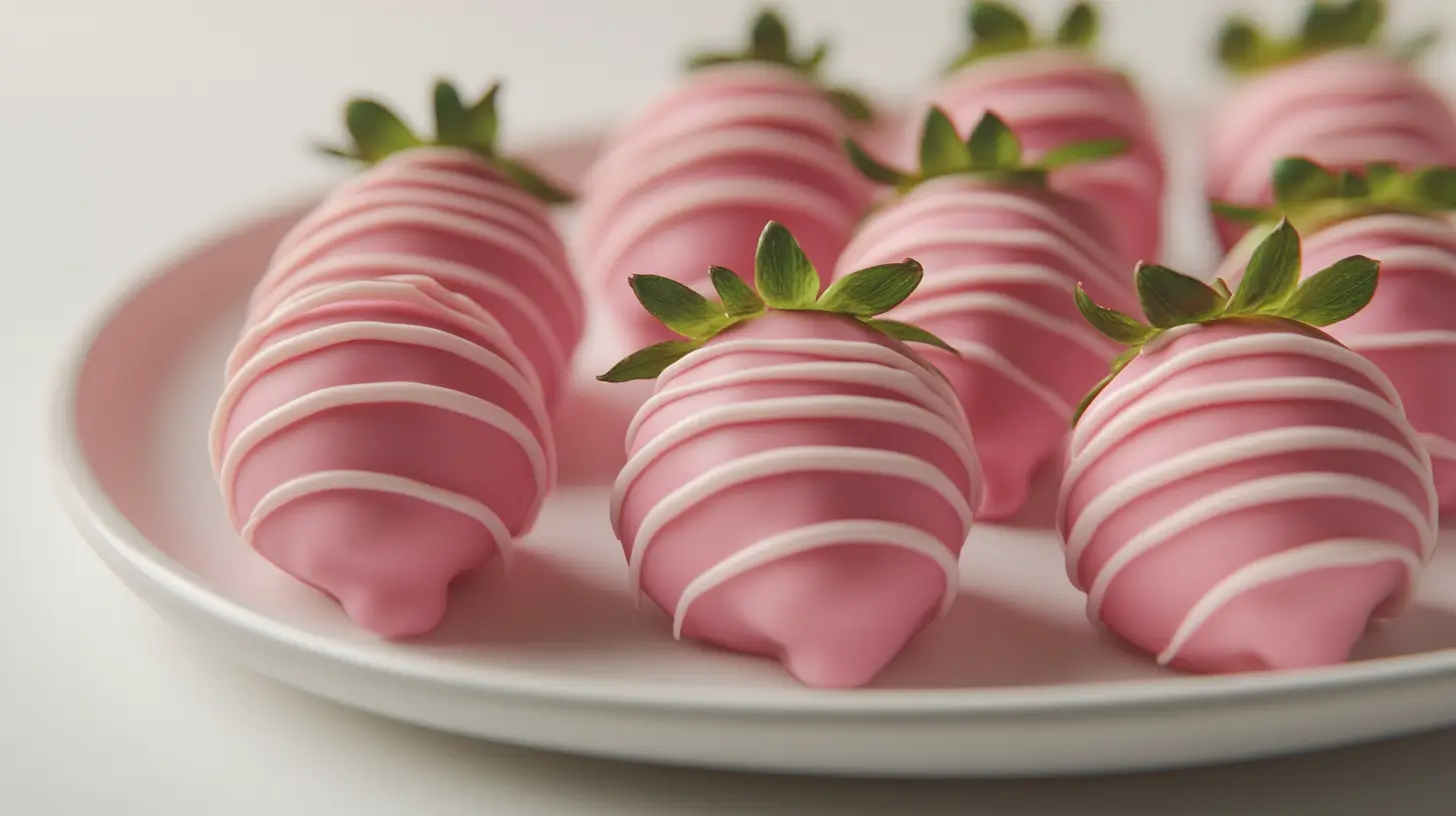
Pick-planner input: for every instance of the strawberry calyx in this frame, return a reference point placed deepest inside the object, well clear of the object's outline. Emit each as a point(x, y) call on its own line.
point(784, 280)
point(376, 132)
point(991, 151)
point(769, 42)
point(1270, 287)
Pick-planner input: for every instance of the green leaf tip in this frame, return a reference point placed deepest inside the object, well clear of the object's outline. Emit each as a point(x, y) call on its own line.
point(1312, 196)
point(646, 364)
point(770, 41)
point(378, 133)
point(1328, 25)
point(1270, 287)
point(991, 151)
point(999, 28)
point(784, 279)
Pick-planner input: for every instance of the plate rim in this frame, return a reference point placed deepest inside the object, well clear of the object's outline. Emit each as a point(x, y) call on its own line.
point(107, 531)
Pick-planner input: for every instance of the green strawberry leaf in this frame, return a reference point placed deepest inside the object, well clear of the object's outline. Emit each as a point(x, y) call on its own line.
point(647, 363)
point(850, 105)
point(1172, 299)
point(1112, 323)
point(1241, 215)
point(1118, 364)
point(1272, 273)
point(338, 152)
point(1240, 45)
point(1079, 27)
point(770, 37)
point(782, 272)
point(452, 121)
point(1083, 152)
point(998, 27)
point(907, 333)
point(738, 298)
point(812, 63)
point(1334, 294)
point(1435, 186)
point(678, 307)
point(1298, 180)
point(941, 150)
point(533, 182)
point(871, 168)
point(485, 121)
point(872, 291)
point(1352, 184)
point(992, 145)
point(1382, 176)
point(376, 130)
point(1222, 288)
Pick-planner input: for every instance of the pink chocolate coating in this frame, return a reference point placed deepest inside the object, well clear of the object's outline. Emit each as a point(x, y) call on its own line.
point(801, 487)
point(384, 426)
point(1053, 97)
point(691, 181)
point(1408, 329)
point(1000, 267)
point(1246, 495)
point(1343, 109)
point(444, 214)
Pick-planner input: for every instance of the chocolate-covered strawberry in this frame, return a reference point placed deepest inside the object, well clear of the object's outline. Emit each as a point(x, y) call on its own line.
point(1053, 91)
point(1335, 93)
point(1002, 254)
point(383, 429)
point(1403, 221)
point(1244, 492)
point(800, 483)
point(453, 209)
point(690, 181)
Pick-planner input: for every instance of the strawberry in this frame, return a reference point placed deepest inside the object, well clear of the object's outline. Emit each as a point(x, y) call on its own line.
point(801, 483)
point(1053, 92)
point(691, 180)
point(384, 426)
point(1243, 492)
point(1401, 220)
point(1333, 93)
point(1002, 254)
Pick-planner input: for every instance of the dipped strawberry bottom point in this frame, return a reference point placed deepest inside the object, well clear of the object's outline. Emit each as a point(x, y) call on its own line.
point(384, 427)
point(800, 484)
point(1002, 253)
point(1243, 492)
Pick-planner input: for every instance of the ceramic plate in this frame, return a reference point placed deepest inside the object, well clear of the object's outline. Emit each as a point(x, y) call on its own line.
point(1013, 682)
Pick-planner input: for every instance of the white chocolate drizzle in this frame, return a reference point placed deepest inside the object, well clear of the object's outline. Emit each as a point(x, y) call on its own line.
point(819, 536)
point(1292, 563)
point(928, 405)
point(325, 481)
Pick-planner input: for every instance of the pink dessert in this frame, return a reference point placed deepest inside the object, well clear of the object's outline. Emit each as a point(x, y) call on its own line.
point(384, 425)
point(1002, 254)
point(1329, 94)
point(1244, 492)
point(1401, 220)
point(801, 483)
point(691, 180)
point(1054, 92)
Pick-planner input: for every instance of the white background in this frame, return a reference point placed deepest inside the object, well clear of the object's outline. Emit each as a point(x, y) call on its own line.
point(129, 127)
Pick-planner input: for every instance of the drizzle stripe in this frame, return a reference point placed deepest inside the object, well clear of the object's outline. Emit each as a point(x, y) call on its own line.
point(332, 480)
point(877, 463)
point(1292, 563)
point(819, 536)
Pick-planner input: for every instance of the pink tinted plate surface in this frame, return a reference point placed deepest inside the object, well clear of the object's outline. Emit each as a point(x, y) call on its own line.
point(1013, 682)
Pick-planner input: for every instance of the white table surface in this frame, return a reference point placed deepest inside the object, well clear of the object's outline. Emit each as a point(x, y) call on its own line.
point(129, 127)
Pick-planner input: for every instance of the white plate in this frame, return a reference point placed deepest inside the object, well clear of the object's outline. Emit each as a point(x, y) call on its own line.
point(1013, 682)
